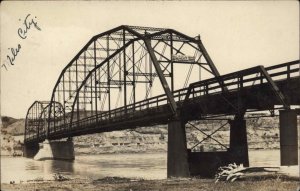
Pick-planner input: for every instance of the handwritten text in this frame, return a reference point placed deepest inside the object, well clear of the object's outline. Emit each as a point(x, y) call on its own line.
point(28, 23)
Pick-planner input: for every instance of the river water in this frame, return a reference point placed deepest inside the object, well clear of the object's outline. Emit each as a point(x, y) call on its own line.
point(147, 166)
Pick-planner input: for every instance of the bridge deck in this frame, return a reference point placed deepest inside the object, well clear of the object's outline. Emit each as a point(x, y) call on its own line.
point(246, 90)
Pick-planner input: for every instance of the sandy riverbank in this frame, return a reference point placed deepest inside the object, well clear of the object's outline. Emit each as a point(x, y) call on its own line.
point(274, 183)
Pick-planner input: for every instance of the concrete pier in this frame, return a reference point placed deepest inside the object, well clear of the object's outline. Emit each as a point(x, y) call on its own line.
point(177, 150)
point(288, 137)
point(238, 141)
point(63, 150)
point(30, 150)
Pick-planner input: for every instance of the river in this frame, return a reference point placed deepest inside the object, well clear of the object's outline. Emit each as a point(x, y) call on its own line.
point(146, 165)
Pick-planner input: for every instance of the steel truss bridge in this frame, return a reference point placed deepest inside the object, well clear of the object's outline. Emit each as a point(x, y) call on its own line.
point(132, 76)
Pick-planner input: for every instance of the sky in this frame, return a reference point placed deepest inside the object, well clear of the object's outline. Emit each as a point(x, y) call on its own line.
point(237, 35)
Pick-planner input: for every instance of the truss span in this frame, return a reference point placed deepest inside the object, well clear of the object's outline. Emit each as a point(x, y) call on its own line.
point(37, 120)
point(131, 76)
point(119, 67)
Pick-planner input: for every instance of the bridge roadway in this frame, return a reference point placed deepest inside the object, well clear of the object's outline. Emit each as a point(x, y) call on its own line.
point(253, 89)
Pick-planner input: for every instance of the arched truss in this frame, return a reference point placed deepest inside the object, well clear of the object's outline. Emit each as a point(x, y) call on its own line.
point(121, 66)
point(37, 119)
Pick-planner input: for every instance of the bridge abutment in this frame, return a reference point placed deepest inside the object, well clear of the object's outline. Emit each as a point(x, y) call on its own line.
point(288, 137)
point(63, 150)
point(238, 141)
point(177, 150)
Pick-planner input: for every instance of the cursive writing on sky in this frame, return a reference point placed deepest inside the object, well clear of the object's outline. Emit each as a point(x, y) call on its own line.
point(27, 24)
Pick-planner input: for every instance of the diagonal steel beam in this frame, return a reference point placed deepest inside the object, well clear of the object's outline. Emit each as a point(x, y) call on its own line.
point(161, 76)
point(212, 66)
point(274, 87)
point(211, 63)
point(207, 136)
point(208, 59)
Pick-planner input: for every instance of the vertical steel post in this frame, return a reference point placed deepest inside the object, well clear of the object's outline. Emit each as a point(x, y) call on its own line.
point(151, 77)
point(172, 67)
point(78, 116)
point(125, 73)
point(95, 81)
point(133, 71)
point(54, 118)
point(37, 119)
point(108, 75)
point(70, 79)
point(84, 88)
point(48, 125)
point(64, 104)
point(92, 111)
point(45, 122)
point(25, 132)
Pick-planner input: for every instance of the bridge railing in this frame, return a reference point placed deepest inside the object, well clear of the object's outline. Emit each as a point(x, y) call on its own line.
point(285, 70)
point(228, 82)
point(127, 111)
point(243, 78)
point(233, 81)
point(120, 113)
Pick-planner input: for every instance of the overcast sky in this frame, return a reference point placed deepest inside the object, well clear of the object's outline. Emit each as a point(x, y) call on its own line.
point(237, 35)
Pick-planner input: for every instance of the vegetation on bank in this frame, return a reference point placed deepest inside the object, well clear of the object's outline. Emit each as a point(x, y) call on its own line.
point(191, 184)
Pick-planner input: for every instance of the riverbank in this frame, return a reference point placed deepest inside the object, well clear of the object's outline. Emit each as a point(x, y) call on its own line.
point(274, 183)
point(262, 133)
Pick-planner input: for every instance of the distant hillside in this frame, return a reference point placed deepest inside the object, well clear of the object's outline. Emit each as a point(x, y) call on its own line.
point(6, 121)
point(262, 133)
point(12, 126)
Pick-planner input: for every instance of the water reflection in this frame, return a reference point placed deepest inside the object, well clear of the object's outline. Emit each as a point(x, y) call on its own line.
point(32, 165)
point(147, 166)
point(58, 166)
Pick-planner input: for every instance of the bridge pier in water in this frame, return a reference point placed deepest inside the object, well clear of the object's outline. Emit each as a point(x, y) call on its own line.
point(62, 150)
point(288, 137)
point(238, 141)
point(177, 150)
point(30, 150)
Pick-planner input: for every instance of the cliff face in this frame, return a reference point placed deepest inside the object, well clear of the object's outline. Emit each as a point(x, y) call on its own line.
point(128, 141)
point(262, 133)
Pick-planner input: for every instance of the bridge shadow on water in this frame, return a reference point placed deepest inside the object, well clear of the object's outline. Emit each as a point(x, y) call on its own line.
point(58, 166)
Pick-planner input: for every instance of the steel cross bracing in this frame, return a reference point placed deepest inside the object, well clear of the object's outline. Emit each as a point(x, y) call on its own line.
point(118, 62)
point(125, 70)
point(203, 100)
point(37, 117)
